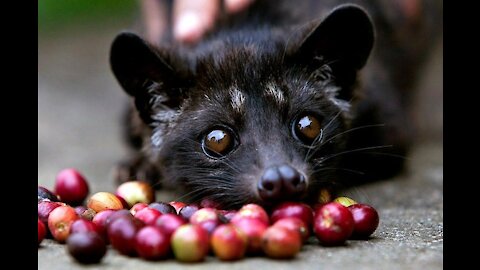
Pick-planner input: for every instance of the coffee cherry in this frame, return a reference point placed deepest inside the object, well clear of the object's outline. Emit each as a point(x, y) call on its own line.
point(148, 215)
point(83, 225)
point(345, 201)
point(254, 229)
point(121, 234)
point(169, 223)
point(100, 219)
point(136, 191)
point(137, 207)
point(252, 211)
point(102, 201)
point(365, 220)
point(44, 210)
point(187, 211)
point(281, 243)
point(190, 243)
point(71, 187)
point(207, 218)
point(86, 247)
point(163, 208)
point(46, 194)
point(293, 209)
point(59, 222)
point(151, 243)
point(333, 224)
point(123, 213)
point(228, 242)
point(42, 231)
point(88, 214)
point(295, 224)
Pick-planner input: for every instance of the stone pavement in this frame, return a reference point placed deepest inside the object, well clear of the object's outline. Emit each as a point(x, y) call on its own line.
point(79, 107)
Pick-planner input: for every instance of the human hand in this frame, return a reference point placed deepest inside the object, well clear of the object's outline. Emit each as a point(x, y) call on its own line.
point(191, 18)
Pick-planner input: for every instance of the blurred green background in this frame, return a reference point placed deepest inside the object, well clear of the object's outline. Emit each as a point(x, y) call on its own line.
point(57, 15)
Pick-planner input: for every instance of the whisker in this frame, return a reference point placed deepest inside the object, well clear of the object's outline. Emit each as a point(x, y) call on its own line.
point(188, 194)
point(350, 130)
point(389, 155)
point(340, 169)
point(199, 192)
point(308, 155)
point(331, 120)
point(319, 137)
point(353, 151)
point(342, 133)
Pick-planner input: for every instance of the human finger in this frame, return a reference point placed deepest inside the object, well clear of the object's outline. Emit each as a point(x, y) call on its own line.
point(192, 18)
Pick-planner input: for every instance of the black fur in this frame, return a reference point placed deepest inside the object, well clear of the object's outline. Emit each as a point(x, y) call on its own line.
point(180, 93)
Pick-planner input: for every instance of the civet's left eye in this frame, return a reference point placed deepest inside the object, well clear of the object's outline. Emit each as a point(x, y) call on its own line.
point(218, 142)
point(307, 128)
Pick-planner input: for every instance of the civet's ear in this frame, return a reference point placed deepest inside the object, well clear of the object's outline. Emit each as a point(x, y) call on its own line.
point(343, 40)
point(145, 74)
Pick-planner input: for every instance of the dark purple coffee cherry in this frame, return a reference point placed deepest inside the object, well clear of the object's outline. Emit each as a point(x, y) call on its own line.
point(86, 247)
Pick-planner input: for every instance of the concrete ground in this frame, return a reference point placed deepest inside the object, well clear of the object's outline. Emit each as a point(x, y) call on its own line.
point(79, 107)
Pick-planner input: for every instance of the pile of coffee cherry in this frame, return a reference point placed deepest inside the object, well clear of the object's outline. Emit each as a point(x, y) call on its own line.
point(133, 224)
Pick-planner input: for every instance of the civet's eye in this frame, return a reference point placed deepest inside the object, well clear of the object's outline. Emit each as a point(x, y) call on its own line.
point(307, 128)
point(218, 142)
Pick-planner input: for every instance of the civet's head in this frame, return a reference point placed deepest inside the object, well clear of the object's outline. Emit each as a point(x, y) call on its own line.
point(256, 117)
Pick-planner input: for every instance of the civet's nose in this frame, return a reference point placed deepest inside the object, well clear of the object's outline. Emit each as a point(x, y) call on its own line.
point(281, 182)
